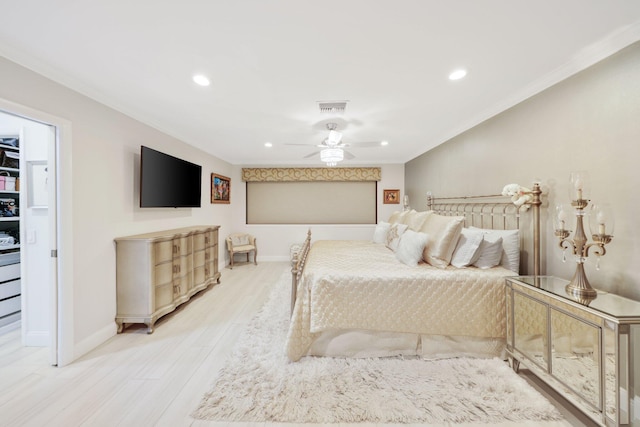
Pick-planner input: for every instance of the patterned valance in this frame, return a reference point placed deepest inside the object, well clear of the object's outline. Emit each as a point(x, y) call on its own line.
point(311, 174)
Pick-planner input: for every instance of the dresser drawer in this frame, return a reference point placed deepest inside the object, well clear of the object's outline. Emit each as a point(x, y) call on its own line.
point(163, 273)
point(198, 258)
point(181, 246)
point(199, 274)
point(164, 295)
point(163, 251)
point(199, 240)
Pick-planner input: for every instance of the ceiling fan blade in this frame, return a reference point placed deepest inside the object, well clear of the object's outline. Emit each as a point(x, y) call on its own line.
point(308, 156)
point(341, 145)
point(365, 144)
point(348, 155)
point(303, 145)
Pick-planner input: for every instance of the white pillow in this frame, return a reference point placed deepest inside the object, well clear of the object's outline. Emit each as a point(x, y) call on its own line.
point(393, 235)
point(510, 245)
point(468, 248)
point(380, 233)
point(410, 247)
point(490, 252)
point(443, 232)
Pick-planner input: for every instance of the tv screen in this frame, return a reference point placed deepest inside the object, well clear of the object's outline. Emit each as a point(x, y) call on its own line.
point(167, 181)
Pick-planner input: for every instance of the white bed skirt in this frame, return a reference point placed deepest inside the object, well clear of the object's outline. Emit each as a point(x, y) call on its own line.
point(361, 343)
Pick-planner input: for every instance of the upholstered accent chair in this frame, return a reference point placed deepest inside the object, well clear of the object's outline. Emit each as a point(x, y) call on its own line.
point(241, 243)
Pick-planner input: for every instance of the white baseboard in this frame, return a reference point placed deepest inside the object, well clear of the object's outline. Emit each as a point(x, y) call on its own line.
point(93, 341)
point(37, 339)
point(10, 326)
point(274, 258)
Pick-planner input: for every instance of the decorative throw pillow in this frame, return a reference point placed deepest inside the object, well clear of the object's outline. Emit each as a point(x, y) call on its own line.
point(510, 245)
point(443, 232)
point(410, 247)
point(394, 234)
point(468, 248)
point(415, 220)
point(490, 252)
point(380, 233)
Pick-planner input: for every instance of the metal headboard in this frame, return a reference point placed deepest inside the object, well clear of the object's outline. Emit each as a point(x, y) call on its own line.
point(494, 215)
point(491, 211)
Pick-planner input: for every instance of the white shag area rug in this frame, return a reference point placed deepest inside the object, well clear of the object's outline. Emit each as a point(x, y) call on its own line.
point(258, 383)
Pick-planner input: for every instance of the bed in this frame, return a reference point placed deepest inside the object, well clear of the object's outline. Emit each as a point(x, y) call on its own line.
point(358, 299)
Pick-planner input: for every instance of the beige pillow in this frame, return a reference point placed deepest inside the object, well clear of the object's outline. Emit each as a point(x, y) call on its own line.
point(415, 220)
point(395, 217)
point(444, 232)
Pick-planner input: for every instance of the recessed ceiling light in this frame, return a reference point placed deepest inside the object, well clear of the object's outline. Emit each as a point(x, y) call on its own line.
point(457, 74)
point(384, 143)
point(201, 80)
point(268, 144)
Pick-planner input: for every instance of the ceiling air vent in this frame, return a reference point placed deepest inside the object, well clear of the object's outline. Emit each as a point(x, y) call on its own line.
point(333, 107)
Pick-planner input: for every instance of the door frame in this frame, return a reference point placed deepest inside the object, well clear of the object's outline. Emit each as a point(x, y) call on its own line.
point(61, 226)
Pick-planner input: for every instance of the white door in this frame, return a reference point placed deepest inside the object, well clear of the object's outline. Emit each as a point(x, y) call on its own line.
point(37, 224)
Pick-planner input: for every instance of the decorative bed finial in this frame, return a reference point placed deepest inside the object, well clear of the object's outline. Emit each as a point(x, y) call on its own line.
point(520, 196)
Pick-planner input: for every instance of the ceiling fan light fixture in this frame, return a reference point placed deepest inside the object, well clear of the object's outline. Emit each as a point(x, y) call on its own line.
point(331, 156)
point(334, 137)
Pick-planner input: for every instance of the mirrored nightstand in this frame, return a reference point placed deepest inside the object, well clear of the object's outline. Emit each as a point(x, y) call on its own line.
point(584, 349)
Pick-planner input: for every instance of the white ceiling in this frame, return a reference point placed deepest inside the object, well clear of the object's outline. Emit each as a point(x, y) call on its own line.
point(270, 61)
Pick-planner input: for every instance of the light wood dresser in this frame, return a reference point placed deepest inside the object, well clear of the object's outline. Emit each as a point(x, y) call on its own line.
point(156, 272)
point(585, 350)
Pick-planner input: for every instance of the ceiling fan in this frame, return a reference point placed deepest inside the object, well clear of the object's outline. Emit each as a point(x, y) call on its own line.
point(332, 147)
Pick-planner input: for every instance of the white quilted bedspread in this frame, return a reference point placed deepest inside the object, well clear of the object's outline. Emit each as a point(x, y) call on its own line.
point(351, 284)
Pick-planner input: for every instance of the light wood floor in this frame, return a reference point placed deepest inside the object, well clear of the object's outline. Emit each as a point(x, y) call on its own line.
point(135, 379)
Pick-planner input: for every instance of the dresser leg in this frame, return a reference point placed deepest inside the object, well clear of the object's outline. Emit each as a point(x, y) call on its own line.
point(149, 327)
point(120, 326)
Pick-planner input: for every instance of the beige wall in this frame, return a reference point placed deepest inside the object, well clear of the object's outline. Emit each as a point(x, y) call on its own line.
point(274, 240)
point(104, 163)
point(590, 122)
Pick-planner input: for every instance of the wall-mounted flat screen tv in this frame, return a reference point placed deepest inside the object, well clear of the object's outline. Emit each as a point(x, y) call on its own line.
point(168, 182)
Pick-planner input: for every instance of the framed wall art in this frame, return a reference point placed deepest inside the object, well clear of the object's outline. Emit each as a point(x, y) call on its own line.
point(220, 189)
point(391, 197)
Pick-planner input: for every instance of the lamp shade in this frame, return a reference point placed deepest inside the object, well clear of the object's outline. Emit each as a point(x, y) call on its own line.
point(579, 188)
point(601, 219)
point(331, 156)
point(564, 217)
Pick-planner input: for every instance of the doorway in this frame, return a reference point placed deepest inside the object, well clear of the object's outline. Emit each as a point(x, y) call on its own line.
point(35, 225)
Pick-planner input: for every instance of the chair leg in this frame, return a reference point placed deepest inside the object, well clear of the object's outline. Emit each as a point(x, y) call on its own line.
point(231, 260)
point(255, 257)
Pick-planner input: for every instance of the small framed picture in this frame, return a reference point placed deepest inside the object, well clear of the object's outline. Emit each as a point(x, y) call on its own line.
point(220, 189)
point(391, 197)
